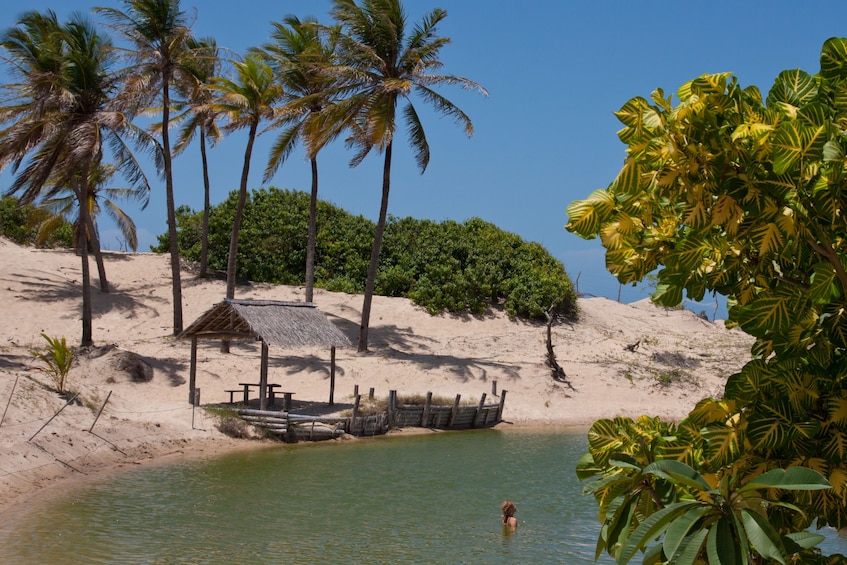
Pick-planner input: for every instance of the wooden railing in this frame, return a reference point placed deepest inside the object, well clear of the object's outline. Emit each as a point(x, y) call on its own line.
point(298, 427)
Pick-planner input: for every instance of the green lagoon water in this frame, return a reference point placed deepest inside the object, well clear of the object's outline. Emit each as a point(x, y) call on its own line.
point(424, 499)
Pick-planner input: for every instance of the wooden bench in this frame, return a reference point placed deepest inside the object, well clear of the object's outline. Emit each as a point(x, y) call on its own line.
point(232, 394)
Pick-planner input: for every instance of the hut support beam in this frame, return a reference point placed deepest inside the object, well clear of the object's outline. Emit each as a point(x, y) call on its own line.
point(332, 375)
point(192, 375)
point(263, 378)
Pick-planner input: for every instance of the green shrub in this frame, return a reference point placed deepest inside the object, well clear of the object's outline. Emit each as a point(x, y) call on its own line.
point(20, 224)
point(447, 266)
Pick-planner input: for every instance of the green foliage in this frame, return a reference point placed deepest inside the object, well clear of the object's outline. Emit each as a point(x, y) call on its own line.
point(444, 266)
point(648, 496)
point(57, 359)
point(730, 193)
point(20, 224)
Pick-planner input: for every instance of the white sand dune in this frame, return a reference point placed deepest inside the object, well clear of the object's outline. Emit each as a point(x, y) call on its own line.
point(680, 359)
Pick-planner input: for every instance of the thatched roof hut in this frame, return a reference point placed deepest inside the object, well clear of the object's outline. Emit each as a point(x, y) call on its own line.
point(282, 324)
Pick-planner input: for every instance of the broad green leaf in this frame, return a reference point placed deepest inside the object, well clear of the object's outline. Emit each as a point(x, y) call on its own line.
point(680, 529)
point(650, 529)
point(768, 239)
point(721, 544)
point(691, 548)
point(586, 216)
point(766, 314)
point(586, 467)
point(834, 58)
point(667, 295)
point(763, 537)
point(631, 115)
point(722, 446)
point(802, 540)
point(837, 408)
point(822, 285)
point(792, 478)
point(677, 472)
point(792, 142)
point(628, 180)
point(833, 152)
point(793, 87)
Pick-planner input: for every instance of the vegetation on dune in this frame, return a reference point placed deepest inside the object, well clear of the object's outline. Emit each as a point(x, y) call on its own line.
point(21, 224)
point(731, 193)
point(446, 266)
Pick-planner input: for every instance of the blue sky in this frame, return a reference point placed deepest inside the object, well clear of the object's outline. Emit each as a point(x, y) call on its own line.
point(555, 71)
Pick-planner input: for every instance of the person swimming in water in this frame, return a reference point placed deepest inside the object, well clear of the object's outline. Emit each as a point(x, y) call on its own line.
point(509, 520)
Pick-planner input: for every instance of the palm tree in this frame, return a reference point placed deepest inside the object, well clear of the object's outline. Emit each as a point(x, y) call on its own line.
point(301, 53)
point(62, 115)
point(100, 198)
point(245, 101)
point(198, 119)
point(160, 36)
point(385, 66)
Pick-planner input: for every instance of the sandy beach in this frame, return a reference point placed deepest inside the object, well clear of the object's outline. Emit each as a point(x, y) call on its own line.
point(680, 358)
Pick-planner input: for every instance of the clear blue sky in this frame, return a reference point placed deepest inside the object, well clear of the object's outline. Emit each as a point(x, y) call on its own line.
point(546, 135)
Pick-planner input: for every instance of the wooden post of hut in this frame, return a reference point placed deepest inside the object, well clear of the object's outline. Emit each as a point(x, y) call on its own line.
point(332, 375)
point(263, 378)
point(192, 374)
point(502, 405)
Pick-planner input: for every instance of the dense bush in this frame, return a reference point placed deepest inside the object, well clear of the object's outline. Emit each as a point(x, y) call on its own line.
point(448, 266)
point(20, 224)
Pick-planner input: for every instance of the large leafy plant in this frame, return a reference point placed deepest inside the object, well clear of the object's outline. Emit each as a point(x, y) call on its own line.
point(730, 192)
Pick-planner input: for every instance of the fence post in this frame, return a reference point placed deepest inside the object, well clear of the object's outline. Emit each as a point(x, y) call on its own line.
point(493, 388)
point(10, 399)
point(371, 393)
point(355, 390)
point(502, 405)
point(425, 415)
point(355, 413)
point(392, 407)
point(100, 411)
point(54, 415)
point(454, 411)
point(478, 414)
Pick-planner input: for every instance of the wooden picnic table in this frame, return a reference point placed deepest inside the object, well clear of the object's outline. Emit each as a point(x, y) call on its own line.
point(271, 394)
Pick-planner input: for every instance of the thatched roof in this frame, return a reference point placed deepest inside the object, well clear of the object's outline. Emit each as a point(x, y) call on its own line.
point(283, 324)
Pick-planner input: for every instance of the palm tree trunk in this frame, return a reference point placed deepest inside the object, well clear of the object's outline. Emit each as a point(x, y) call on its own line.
point(236, 223)
point(239, 213)
point(94, 239)
point(380, 229)
point(204, 238)
point(84, 220)
point(169, 191)
point(313, 229)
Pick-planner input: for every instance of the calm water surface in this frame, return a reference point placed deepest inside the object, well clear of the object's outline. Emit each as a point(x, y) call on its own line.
point(425, 499)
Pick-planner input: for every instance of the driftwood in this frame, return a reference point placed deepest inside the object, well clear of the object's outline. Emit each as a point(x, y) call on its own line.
point(633, 346)
point(557, 370)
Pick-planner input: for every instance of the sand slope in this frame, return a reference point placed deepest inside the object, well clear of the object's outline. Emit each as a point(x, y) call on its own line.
point(681, 358)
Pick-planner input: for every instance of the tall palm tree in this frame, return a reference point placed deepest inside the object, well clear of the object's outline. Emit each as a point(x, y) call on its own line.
point(159, 33)
point(301, 52)
point(62, 116)
point(386, 64)
point(245, 101)
point(203, 64)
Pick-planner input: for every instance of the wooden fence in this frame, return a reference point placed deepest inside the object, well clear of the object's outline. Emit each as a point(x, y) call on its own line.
point(297, 427)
